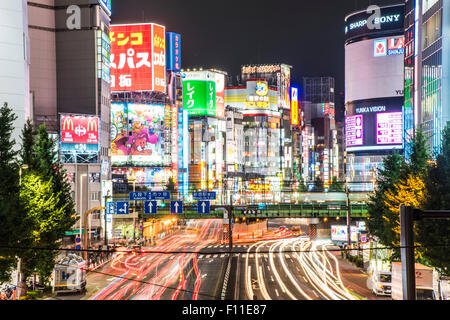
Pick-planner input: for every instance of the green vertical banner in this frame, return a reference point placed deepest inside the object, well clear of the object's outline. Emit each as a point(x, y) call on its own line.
point(200, 97)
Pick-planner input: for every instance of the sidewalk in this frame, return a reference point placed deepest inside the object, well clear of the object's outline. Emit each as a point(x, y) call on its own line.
point(355, 279)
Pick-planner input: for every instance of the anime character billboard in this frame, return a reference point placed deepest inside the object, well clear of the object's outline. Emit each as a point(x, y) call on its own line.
point(137, 134)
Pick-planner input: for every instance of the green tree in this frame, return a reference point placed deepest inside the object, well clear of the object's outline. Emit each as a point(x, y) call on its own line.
point(318, 185)
point(336, 186)
point(12, 228)
point(302, 186)
point(45, 215)
point(388, 175)
point(26, 153)
point(170, 186)
point(46, 181)
point(394, 189)
point(434, 235)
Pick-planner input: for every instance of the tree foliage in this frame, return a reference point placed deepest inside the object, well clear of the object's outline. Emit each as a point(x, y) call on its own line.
point(336, 186)
point(46, 195)
point(388, 176)
point(318, 185)
point(12, 228)
point(45, 215)
point(434, 235)
point(409, 192)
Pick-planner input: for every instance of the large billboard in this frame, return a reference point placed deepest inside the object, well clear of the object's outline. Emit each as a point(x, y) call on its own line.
point(374, 125)
point(199, 93)
point(80, 134)
point(137, 134)
point(138, 58)
point(374, 69)
point(277, 75)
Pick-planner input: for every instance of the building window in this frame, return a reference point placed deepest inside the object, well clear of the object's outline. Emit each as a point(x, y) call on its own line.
point(95, 196)
point(94, 178)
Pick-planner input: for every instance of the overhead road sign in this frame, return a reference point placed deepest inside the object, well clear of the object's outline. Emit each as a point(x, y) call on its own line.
point(204, 195)
point(122, 207)
point(140, 196)
point(204, 207)
point(150, 207)
point(176, 207)
point(159, 195)
point(110, 208)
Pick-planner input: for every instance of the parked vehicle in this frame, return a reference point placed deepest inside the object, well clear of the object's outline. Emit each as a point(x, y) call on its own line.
point(296, 230)
point(424, 282)
point(70, 274)
point(381, 281)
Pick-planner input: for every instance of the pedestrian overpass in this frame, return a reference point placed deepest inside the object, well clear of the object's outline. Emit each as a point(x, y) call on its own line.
point(307, 205)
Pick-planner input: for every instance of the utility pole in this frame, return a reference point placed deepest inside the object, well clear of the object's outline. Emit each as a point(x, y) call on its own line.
point(408, 215)
point(106, 232)
point(407, 253)
point(349, 238)
point(19, 260)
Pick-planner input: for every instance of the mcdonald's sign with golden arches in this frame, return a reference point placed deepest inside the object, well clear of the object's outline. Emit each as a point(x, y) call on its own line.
point(80, 133)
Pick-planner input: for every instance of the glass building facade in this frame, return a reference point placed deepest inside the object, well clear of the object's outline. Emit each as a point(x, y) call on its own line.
point(426, 62)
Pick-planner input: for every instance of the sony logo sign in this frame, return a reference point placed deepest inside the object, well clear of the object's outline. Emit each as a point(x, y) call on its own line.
point(376, 20)
point(371, 109)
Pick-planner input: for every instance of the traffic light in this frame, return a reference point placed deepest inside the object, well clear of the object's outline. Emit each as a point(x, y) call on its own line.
point(163, 205)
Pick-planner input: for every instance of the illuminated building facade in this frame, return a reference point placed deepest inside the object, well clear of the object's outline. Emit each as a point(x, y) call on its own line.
point(374, 83)
point(319, 113)
point(427, 59)
point(203, 100)
point(263, 96)
point(149, 126)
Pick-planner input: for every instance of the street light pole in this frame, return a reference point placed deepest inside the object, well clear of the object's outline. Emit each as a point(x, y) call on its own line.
point(349, 238)
point(106, 232)
point(19, 260)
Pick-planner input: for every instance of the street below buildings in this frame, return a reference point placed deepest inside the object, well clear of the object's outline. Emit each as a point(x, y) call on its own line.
point(191, 263)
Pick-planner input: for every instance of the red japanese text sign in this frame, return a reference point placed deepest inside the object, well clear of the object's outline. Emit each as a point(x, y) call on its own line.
point(137, 60)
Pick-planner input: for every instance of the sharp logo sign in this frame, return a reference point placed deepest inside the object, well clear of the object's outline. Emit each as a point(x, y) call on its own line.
point(377, 20)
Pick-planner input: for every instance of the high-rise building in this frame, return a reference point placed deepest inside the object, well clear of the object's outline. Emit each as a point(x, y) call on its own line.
point(15, 62)
point(204, 93)
point(427, 61)
point(70, 93)
point(149, 127)
point(374, 75)
point(264, 98)
point(319, 112)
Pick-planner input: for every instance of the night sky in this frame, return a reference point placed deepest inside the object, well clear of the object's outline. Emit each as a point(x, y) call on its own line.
point(306, 34)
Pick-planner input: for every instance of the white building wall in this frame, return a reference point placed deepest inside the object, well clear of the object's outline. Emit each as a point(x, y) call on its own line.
point(14, 61)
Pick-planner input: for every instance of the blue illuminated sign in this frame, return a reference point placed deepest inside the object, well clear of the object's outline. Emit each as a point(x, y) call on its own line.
point(173, 56)
point(106, 4)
